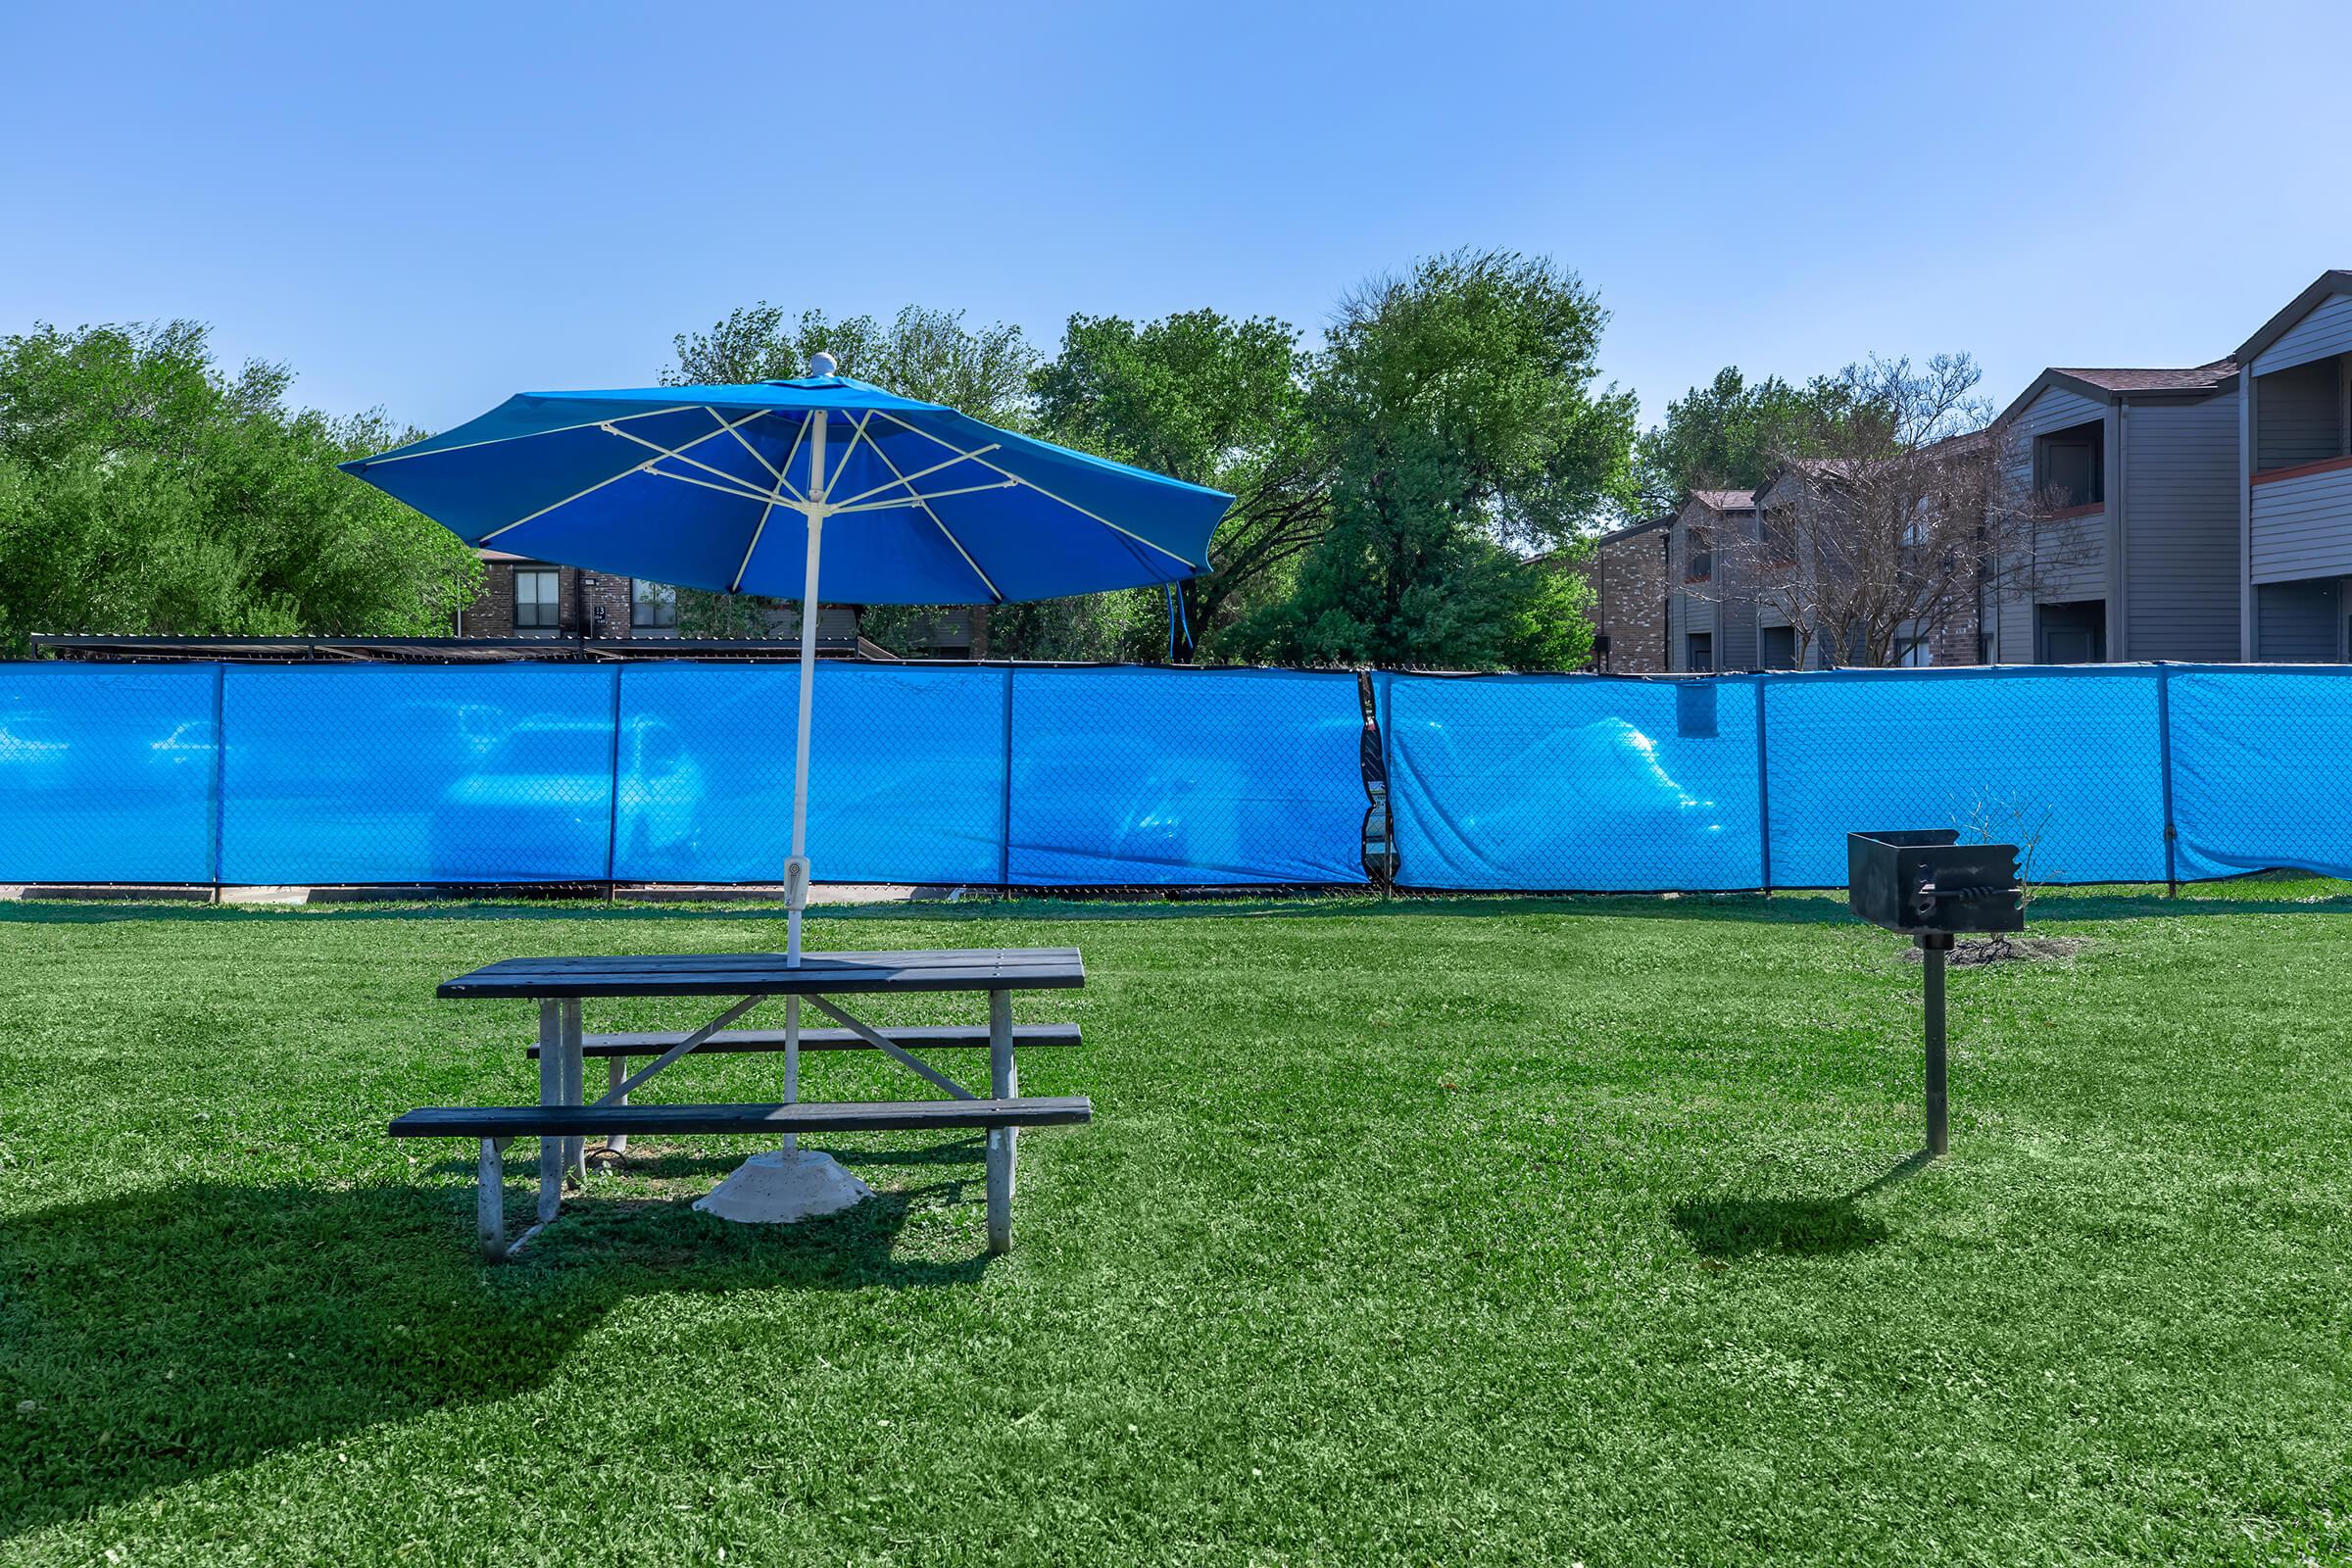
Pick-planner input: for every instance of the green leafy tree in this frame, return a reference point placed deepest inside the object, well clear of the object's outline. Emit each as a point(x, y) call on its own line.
point(1213, 401)
point(1460, 409)
point(920, 353)
point(143, 490)
point(1730, 433)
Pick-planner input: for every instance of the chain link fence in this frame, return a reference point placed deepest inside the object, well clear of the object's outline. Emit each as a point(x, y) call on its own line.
point(1128, 776)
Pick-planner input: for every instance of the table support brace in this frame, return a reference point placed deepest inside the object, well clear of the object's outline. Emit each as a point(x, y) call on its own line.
point(890, 1049)
point(621, 1091)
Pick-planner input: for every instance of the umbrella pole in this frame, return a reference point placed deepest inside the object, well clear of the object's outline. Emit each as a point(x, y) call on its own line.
point(796, 869)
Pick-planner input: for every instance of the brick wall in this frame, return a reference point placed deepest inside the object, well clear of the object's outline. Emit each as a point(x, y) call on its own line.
point(1629, 584)
point(493, 613)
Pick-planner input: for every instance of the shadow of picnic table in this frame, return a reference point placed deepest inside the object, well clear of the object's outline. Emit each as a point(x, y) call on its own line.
point(158, 1337)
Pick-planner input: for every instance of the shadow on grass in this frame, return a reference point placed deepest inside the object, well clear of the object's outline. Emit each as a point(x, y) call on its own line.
point(1803, 1227)
point(1724, 1227)
point(157, 1338)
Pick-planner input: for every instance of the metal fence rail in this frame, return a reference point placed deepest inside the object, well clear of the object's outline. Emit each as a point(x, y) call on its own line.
point(1128, 776)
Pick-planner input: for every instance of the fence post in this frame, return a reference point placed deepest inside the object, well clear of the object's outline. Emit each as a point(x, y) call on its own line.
point(612, 798)
point(1384, 706)
point(220, 767)
point(1763, 788)
point(1004, 804)
point(2164, 743)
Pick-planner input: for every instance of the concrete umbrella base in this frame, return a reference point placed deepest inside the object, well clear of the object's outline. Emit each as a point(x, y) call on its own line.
point(785, 1185)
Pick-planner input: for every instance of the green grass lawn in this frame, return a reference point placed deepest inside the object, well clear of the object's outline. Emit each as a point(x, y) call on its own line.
point(1468, 1231)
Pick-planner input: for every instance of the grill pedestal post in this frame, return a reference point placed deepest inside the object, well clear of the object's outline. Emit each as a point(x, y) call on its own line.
point(1932, 945)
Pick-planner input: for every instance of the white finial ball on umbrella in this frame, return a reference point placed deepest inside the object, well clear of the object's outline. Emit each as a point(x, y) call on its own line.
point(823, 363)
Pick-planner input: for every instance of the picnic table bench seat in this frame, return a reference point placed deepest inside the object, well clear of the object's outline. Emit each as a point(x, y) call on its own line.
point(498, 1125)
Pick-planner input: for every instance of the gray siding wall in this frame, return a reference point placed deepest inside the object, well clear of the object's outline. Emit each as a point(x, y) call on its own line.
point(2302, 526)
point(2179, 519)
point(1693, 607)
point(2081, 540)
point(2326, 331)
point(2298, 415)
point(1735, 614)
point(2298, 621)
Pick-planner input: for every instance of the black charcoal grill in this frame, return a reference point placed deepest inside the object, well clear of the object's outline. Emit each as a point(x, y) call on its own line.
point(1931, 886)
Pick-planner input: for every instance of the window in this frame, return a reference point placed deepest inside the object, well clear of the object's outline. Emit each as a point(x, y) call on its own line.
point(1913, 653)
point(1775, 646)
point(2073, 634)
point(1919, 526)
point(652, 605)
point(1702, 557)
point(1701, 649)
point(2070, 467)
point(536, 600)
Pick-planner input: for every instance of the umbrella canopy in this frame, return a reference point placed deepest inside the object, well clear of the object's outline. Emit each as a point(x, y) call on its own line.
point(713, 487)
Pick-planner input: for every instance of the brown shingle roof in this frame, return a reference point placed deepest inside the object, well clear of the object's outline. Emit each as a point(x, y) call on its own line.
point(2195, 378)
point(1726, 500)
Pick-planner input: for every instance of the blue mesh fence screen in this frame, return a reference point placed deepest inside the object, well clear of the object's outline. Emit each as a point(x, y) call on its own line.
point(106, 773)
point(657, 771)
point(905, 773)
point(2262, 769)
point(1157, 777)
point(382, 773)
point(2072, 759)
point(1567, 782)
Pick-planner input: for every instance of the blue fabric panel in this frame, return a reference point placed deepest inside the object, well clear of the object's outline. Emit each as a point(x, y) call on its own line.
point(2262, 769)
point(905, 773)
point(388, 775)
point(106, 772)
point(1172, 777)
point(1574, 783)
point(2072, 754)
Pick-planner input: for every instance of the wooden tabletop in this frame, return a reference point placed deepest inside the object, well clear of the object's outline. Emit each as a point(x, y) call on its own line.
point(743, 974)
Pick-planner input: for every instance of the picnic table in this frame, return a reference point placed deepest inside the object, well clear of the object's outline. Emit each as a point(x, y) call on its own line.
point(564, 1119)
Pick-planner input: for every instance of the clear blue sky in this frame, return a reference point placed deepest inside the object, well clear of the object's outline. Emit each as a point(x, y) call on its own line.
point(428, 206)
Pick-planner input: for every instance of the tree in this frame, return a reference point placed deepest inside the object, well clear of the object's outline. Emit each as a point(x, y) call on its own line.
point(1213, 401)
point(921, 353)
point(1896, 535)
point(1461, 412)
point(1730, 433)
point(142, 490)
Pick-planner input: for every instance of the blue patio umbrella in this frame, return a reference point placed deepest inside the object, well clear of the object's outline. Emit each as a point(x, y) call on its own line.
point(752, 489)
point(749, 489)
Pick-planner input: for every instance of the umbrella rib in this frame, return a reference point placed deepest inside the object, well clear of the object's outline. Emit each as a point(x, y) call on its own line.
point(856, 435)
point(679, 453)
point(799, 435)
point(687, 478)
point(774, 501)
point(924, 502)
point(907, 479)
point(633, 469)
point(584, 424)
point(744, 441)
point(976, 457)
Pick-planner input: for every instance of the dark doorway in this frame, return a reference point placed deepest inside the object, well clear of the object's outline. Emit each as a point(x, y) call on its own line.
point(1775, 646)
point(1700, 646)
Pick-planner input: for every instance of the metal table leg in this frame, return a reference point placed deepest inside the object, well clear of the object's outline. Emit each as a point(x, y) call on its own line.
point(551, 1092)
point(1004, 1083)
point(575, 1087)
point(616, 1091)
point(1932, 945)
